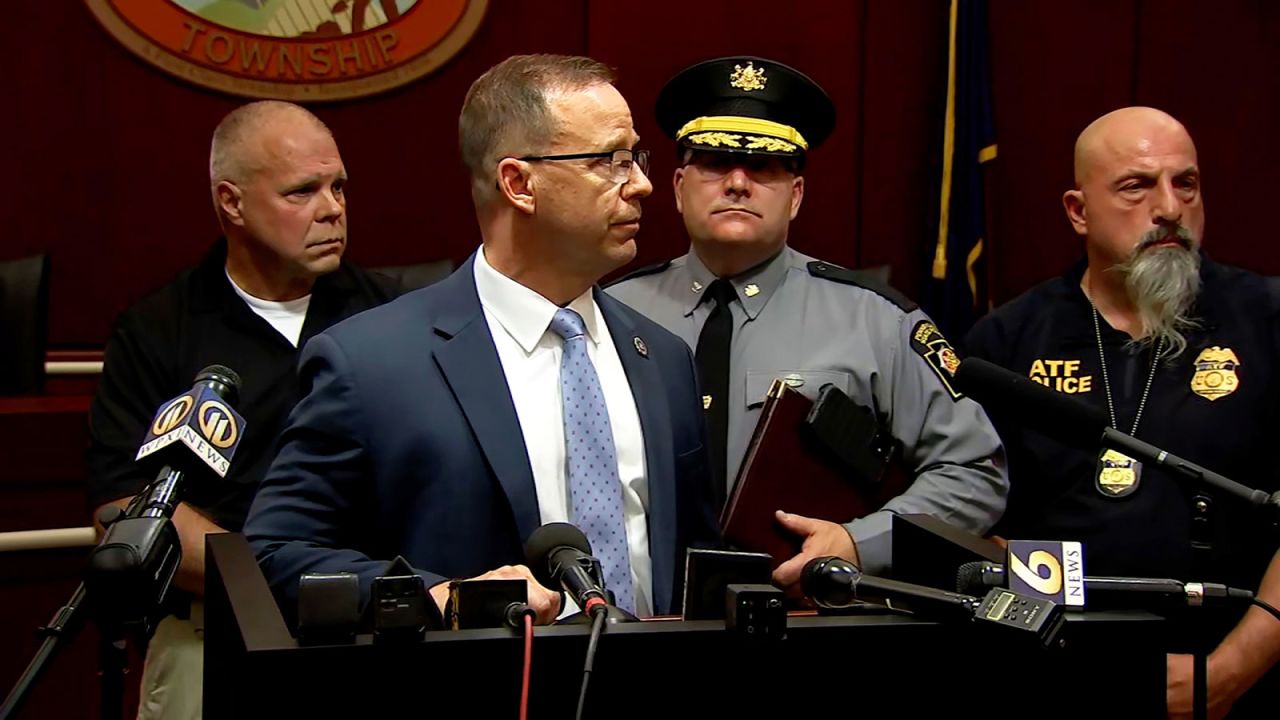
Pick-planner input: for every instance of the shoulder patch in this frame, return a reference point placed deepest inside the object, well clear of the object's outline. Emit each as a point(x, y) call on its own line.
point(927, 341)
point(865, 279)
point(653, 269)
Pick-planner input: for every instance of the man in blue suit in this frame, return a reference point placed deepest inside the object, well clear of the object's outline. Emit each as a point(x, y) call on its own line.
point(447, 426)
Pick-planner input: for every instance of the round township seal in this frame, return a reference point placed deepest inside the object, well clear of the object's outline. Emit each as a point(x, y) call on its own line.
point(300, 50)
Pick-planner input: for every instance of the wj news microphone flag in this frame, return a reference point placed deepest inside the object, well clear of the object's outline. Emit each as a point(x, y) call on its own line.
point(200, 419)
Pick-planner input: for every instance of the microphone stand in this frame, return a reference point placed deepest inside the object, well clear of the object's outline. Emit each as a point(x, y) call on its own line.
point(597, 615)
point(113, 627)
point(1135, 448)
point(1202, 640)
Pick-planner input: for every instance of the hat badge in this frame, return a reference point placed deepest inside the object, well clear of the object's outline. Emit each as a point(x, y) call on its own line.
point(748, 78)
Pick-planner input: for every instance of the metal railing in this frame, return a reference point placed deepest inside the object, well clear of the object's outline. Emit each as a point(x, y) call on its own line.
point(51, 539)
point(73, 367)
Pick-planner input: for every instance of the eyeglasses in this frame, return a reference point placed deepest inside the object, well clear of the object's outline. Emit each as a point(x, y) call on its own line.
point(620, 162)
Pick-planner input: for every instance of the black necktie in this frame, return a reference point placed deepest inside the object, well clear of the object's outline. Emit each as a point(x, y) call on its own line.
point(713, 369)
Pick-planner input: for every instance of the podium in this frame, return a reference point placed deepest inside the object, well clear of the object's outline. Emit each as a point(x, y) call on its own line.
point(877, 664)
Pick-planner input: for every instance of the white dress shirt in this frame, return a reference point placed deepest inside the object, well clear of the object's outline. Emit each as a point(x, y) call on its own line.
point(519, 320)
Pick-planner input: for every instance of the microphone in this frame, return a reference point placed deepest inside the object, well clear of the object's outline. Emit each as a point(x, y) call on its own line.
point(559, 555)
point(131, 569)
point(1078, 424)
point(202, 419)
point(978, 576)
point(1003, 392)
point(833, 582)
point(199, 421)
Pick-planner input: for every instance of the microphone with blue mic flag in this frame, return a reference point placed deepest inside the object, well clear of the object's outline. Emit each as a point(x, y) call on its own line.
point(131, 570)
point(196, 432)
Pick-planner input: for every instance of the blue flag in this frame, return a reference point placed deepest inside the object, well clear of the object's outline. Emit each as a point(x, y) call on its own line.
point(956, 292)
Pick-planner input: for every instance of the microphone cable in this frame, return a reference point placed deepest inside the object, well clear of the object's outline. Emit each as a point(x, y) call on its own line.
point(528, 663)
point(520, 616)
point(1265, 606)
point(597, 626)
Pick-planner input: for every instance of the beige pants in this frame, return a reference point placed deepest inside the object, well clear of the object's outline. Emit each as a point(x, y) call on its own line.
point(173, 676)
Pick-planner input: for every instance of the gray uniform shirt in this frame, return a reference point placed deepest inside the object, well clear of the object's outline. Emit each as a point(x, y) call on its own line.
point(787, 321)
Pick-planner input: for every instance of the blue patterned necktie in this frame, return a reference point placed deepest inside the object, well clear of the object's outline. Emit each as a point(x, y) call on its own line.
point(594, 488)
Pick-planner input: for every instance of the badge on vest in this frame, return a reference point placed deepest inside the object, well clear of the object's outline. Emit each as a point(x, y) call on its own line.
point(1215, 375)
point(1118, 475)
point(929, 343)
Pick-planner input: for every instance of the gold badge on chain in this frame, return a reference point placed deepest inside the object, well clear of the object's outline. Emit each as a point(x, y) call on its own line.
point(1118, 474)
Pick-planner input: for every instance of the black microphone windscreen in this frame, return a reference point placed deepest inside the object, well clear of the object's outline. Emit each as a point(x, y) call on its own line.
point(545, 540)
point(969, 578)
point(225, 381)
point(221, 373)
point(1020, 399)
point(829, 581)
point(809, 576)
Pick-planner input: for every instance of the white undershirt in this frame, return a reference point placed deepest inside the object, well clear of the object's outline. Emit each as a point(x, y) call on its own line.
point(285, 316)
point(519, 321)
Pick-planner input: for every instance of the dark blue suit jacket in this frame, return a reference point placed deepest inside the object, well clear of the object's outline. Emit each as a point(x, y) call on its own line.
point(406, 442)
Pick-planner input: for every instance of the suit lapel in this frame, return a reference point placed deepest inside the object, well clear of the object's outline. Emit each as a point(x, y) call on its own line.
point(645, 378)
point(469, 362)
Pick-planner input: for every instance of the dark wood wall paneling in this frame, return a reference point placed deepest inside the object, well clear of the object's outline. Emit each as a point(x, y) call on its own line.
point(648, 45)
point(107, 155)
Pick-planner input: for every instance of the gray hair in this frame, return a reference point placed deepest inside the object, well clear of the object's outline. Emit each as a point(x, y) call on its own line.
point(1163, 283)
point(506, 110)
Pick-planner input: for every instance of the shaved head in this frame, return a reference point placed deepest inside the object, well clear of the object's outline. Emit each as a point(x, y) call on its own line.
point(1137, 202)
point(1123, 132)
point(239, 142)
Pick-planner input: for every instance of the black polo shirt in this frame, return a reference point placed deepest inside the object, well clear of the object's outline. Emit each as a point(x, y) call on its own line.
point(1215, 405)
point(159, 344)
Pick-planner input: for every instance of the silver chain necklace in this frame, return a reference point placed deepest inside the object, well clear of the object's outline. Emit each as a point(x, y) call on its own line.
point(1118, 474)
point(1106, 376)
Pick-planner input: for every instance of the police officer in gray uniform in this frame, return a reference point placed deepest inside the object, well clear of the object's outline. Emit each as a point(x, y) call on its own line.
point(755, 309)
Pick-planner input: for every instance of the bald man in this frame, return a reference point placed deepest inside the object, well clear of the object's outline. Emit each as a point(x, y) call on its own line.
point(275, 279)
point(1179, 351)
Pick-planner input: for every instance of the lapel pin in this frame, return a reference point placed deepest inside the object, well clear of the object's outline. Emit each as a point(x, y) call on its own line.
point(751, 290)
point(697, 286)
point(640, 346)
